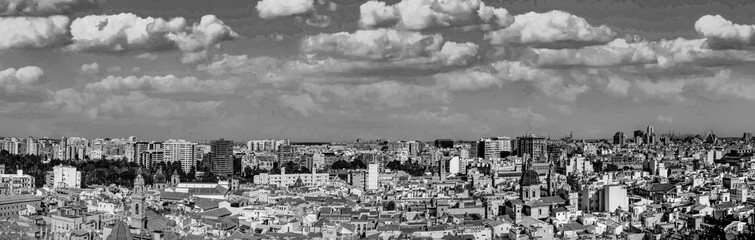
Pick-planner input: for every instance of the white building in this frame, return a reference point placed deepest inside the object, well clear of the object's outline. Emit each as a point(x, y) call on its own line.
point(454, 165)
point(66, 177)
point(286, 180)
point(614, 197)
point(372, 176)
point(494, 146)
point(180, 151)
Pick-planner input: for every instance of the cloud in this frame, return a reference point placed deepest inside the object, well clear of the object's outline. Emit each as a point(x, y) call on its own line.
point(390, 45)
point(148, 56)
point(269, 9)
point(554, 29)
point(32, 32)
point(131, 105)
point(162, 84)
point(426, 14)
point(468, 79)
point(302, 103)
point(20, 80)
point(128, 32)
point(526, 114)
point(724, 33)
point(238, 64)
point(43, 7)
point(92, 68)
point(429, 117)
point(665, 119)
point(193, 57)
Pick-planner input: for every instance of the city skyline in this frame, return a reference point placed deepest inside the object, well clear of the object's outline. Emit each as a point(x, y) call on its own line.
point(340, 70)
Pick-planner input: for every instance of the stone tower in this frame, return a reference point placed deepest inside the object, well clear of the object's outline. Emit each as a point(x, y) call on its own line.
point(138, 201)
point(175, 179)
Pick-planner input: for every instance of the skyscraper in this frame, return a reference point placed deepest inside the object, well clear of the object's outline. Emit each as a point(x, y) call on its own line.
point(221, 157)
point(180, 151)
point(532, 146)
point(372, 176)
point(619, 138)
point(492, 148)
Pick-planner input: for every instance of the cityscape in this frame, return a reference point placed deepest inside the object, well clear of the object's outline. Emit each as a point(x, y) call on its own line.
point(377, 119)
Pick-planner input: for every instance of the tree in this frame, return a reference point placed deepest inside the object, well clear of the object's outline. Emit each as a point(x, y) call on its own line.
point(248, 172)
point(389, 206)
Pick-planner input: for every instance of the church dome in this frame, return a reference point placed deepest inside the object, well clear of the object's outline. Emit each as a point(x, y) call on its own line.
point(529, 178)
point(159, 177)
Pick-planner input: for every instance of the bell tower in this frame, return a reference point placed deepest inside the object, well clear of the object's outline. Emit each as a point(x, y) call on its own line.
point(175, 179)
point(138, 201)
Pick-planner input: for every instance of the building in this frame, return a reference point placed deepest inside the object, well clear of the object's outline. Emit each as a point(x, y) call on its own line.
point(153, 148)
point(221, 157)
point(619, 138)
point(180, 151)
point(287, 180)
point(65, 177)
point(372, 177)
point(493, 148)
point(13, 184)
point(444, 143)
point(532, 146)
point(12, 205)
point(614, 197)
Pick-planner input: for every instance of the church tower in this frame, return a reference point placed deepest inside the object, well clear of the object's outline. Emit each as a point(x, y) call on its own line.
point(552, 181)
point(175, 179)
point(529, 184)
point(138, 201)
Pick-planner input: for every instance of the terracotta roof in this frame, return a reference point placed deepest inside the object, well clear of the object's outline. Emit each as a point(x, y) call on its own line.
point(120, 232)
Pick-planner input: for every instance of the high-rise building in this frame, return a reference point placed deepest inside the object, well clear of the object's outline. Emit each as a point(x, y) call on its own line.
point(221, 157)
point(32, 146)
point(65, 177)
point(532, 146)
point(372, 176)
point(179, 150)
point(650, 136)
point(444, 143)
point(613, 197)
point(619, 138)
point(492, 148)
point(747, 137)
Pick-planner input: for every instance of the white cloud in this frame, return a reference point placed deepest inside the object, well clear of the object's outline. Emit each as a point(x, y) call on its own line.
point(193, 57)
point(269, 9)
point(131, 105)
point(429, 117)
point(40, 7)
point(238, 64)
point(302, 103)
point(719, 28)
point(665, 119)
point(92, 68)
point(526, 114)
point(126, 31)
point(554, 29)
point(162, 84)
point(20, 80)
point(32, 32)
point(468, 79)
point(148, 56)
point(426, 14)
point(390, 44)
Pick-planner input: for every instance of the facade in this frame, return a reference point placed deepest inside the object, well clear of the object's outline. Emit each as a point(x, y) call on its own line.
point(532, 146)
point(287, 180)
point(19, 183)
point(222, 157)
point(372, 177)
point(13, 205)
point(619, 138)
point(180, 151)
point(66, 177)
point(491, 148)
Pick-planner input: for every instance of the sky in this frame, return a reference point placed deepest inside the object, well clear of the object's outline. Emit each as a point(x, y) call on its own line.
point(331, 70)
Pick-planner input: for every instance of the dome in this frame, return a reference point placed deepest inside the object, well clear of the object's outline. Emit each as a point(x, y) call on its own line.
point(529, 178)
point(159, 177)
point(120, 232)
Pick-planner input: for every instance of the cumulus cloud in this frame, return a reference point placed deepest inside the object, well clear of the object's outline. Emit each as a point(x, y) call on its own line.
point(238, 64)
point(468, 79)
point(665, 119)
point(302, 103)
point(193, 57)
point(43, 7)
point(554, 29)
point(32, 32)
point(126, 31)
point(390, 44)
point(20, 80)
point(269, 9)
point(92, 68)
point(131, 105)
point(526, 114)
point(440, 117)
point(724, 33)
point(162, 84)
point(425, 14)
